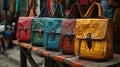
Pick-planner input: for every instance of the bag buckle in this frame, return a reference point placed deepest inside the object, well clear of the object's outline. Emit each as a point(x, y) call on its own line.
point(53, 34)
point(40, 33)
point(89, 40)
point(25, 30)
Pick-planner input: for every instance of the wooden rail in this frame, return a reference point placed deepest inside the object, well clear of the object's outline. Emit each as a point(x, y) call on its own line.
point(55, 59)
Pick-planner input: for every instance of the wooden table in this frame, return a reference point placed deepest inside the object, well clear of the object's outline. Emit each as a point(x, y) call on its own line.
point(55, 59)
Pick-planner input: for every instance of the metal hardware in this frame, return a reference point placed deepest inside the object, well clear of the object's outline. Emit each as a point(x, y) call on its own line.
point(89, 40)
point(40, 33)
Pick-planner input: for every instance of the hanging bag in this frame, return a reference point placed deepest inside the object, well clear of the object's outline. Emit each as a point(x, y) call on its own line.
point(24, 25)
point(93, 36)
point(67, 36)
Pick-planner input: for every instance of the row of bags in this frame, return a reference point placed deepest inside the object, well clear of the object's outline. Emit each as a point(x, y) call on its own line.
point(84, 36)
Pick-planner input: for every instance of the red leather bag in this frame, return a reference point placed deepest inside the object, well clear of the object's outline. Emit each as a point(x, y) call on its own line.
point(24, 25)
point(67, 36)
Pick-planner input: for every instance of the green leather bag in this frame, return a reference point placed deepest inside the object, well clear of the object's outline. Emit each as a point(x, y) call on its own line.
point(37, 29)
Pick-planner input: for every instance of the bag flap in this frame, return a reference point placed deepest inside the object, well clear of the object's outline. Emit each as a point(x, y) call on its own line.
point(38, 23)
point(24, 22)
point(96, 27)
point(68, 26)
point(53, 23)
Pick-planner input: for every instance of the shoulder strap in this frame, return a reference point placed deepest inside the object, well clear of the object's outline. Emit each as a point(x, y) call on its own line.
point(76, 11)
point(59, 12)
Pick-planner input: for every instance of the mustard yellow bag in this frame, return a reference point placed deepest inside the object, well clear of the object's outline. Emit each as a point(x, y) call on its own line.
point(93, 36)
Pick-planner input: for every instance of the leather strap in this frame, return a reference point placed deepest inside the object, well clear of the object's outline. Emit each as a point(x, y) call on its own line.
point(52, 33)
point(92, 7)
point(75, 6)
point(61, 11)
point(44, 12)
point(89, 41)
point(31, 7)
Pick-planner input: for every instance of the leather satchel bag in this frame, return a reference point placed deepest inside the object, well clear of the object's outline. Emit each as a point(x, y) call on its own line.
point(52, 29)
point(93, 36)
point(37, 28)
point(24, 25)
point(67, 36)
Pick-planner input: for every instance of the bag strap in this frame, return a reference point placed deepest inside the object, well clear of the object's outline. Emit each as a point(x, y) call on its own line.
point(73, 13)
point(92, 7)
point(59, 12)
point(31, 7)
point(45, 12)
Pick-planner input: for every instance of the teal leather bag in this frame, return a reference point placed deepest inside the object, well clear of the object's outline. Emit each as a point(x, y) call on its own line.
point(52, 29)
point(37, 29)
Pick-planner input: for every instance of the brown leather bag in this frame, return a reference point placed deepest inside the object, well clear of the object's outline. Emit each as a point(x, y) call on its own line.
point(116, 31)
point(67, 36)
point(93, 36)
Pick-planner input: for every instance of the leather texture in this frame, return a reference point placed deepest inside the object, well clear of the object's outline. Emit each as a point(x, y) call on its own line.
point(67, 36)
point(24, 25)
point(52, 28)
point(38, 24)
point(23, 29)
point(93, 36)
point(51, 41)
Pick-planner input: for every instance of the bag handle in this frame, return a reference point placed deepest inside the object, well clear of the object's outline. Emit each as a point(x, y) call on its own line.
point(44, 12)
point(92, 7)
point(31, 7)
point(61, 11)
point(75, 6)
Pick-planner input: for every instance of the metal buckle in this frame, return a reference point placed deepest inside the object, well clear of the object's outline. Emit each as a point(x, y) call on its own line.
point(53, 34)
point(40, 33)
point(89, 40)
